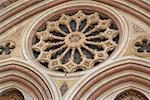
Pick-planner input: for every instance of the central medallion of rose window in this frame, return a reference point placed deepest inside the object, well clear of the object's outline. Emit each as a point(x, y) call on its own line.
point(75, 42)
point(75, 39)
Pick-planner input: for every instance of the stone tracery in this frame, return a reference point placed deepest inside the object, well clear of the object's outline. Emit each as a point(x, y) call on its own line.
point(76, 42)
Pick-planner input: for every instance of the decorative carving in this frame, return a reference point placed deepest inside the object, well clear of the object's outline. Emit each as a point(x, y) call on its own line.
point(143, 45)
point(137, 29)
point(12, 94)
point(131, 95)
point(75, 41)
point(6, 47)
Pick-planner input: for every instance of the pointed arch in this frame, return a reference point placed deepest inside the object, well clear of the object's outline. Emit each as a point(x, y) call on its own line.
point(126, 72)
point(26, 79)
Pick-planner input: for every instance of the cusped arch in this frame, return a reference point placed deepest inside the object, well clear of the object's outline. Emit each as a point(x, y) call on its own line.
point(26, 79)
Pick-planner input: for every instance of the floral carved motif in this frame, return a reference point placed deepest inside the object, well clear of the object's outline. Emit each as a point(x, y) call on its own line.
point(75, 42)
point(6, 47)
point(143, 45)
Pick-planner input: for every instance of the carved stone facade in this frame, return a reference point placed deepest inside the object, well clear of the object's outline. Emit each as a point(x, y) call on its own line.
point(75, 42)
point(74, 50)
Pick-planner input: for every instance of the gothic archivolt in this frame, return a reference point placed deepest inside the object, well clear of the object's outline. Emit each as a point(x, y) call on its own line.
point(92, 43)
point(28, 80)
point(131, 75)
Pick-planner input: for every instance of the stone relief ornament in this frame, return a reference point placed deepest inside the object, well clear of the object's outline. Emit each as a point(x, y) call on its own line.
point(142, 45)
point(6, 47)
point(137, 29)
point(75, 42)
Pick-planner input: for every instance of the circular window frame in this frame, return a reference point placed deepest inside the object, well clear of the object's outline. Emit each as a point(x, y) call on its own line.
point(74, 5)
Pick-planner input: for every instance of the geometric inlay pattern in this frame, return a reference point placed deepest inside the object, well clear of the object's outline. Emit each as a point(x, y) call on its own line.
point(64, 88)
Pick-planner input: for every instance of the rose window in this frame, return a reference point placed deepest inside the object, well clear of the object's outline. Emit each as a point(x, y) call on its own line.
point(75, 42)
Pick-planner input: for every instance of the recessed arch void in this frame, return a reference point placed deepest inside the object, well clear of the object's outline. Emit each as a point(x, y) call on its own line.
point(131, 94)
point(11, 94)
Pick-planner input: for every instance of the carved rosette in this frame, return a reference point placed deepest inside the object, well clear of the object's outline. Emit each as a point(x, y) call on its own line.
point(6, 47)
point(142, 47)
point(75, 42)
